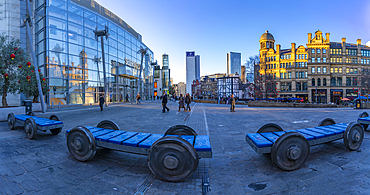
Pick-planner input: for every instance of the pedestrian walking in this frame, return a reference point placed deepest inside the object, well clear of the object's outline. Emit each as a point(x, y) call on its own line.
point(101, 102)
point(164, 103)
point(188, 102)
point(232, 102)
point(181, 102)
point(126, 97)
point(138, 97)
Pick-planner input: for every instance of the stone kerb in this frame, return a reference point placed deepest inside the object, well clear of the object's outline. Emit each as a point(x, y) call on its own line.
point(284, 104)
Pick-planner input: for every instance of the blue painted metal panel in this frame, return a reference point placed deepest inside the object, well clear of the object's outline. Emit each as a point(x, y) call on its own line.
point(150, 140)
point(326, 132)
point(311, 133)
point(308, 137)
point(279, 133)
point(108, 136)
point(202, 143)
point(270, 136)
point(39, 121)
point(365, 118)
point(189, 138)
point(93, 129)
point(102, 132)
point(336, 130)
point(172, 135)
point(259, 140)
point(119, 139)
point(135, 140)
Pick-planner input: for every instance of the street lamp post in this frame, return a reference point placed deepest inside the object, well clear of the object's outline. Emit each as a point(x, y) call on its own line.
point(101, 34)
point(143, 52)
point(27, 23)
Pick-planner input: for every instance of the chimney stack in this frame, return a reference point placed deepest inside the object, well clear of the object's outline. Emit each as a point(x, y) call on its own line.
point(309, 37)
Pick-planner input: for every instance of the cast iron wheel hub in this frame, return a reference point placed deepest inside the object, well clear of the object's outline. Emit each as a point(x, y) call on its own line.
point(170, 162)
point(294, 153)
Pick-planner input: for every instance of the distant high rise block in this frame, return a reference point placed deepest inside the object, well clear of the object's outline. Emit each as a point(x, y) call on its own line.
point(234, 63)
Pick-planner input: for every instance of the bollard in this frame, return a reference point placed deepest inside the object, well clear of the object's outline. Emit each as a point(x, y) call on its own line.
point(52, 105)
point(59, 106)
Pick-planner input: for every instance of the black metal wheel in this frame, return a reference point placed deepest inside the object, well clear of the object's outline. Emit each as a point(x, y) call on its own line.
point(30, 128)
point(269, 127)
point(81, 144)
point(327, 121)
point(290, 151)
point(180, 130)
point(11, 121)
point(353, 136)
point(31, 114)
point(172, 159)
point(57, 130)
point(107, 124)
point(362, 115)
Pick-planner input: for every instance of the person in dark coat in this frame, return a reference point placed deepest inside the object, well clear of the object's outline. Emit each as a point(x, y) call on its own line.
point(164, 103)
point(232, 102)
point(181, 102)
point(188, 102)
point(101, 102)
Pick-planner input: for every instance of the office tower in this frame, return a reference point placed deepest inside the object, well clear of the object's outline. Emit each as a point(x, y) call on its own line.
point(190, 70)
point(197, 67)
point(234, 63)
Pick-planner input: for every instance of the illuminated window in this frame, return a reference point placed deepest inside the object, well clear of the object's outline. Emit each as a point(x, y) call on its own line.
point(318, 69)
point(324, 69)
point(340, 70)
point(323, 50)
point(324, 59)
point(331, 70)
point(312, 50)
point(289, 75)
point(347, 70)
point(313, 70)
point(318, 60)
point(318, 50)
point(313, 60)
point(336, 70)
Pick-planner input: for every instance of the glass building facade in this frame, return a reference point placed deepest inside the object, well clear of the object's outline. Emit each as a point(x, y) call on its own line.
point(70, 56)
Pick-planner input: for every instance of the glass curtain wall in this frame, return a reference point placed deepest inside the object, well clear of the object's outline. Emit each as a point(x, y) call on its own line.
point(71, 58)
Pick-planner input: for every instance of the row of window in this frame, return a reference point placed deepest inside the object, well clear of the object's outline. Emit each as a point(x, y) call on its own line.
point(334, 70)
point(318, 60)
point(300, 86)
point(335, 51)
point(365, 52)
point(350, 81)
point(287, 56)
point(318, 50)
point(352, 52)
point(301, 56)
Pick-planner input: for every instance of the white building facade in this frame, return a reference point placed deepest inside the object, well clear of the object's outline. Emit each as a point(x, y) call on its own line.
point(190, 70)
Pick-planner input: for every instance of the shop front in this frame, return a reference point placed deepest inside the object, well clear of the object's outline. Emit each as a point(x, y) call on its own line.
point(351, 94)
point(304, 97)
point(319, 96)
point(336, 95)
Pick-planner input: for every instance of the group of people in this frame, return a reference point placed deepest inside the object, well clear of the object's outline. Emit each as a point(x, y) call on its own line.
point(182, 101)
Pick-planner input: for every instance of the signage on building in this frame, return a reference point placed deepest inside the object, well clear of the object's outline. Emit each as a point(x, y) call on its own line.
point(131, 63)
point(190, 54)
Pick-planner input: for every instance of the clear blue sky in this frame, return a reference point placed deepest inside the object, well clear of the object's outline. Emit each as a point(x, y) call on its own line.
point(212, 28)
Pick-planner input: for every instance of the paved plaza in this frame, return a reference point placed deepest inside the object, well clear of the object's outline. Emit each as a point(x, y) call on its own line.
point(45, 166)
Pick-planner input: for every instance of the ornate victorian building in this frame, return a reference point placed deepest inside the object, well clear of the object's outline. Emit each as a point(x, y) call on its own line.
point(322, 71)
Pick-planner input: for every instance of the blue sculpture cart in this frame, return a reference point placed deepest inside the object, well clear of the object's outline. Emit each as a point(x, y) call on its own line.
point(32, 123)
point(290, 149)
point(172, 156)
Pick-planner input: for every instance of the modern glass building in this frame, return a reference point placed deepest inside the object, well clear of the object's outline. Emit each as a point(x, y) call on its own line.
point(234, 63)
point(70, 56)
point(165, 73)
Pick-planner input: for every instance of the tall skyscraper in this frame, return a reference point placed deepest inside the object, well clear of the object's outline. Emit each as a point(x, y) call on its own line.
point(234, 63)
point(197, 67)
point(165, 73)
point(190, 70)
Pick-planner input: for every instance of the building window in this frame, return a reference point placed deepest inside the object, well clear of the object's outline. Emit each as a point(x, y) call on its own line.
point(340, 70)
point(305, 64)
point(351, 70)
point(318, 60)
point(348, 81)
point(281, 75)
point(289, 75)
point(305, 74)
point(312, 50)
point(318, 70)
point(354, 81)
point(313, 82)
point(313, 60)
point(318, 50)
point(274, 58)
point(324, 82)
point(318, 82)
point(323, 50)
point(324, 59)
point(305, 56)
point(324, 69)
point(313, 70)
point(296, 75)
point(332, 81)
point(355, 70)
point(285, 75)
point(339, 81)
point(347, 70)
point(290, 64)
point(331, 70)
point(336, 70)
